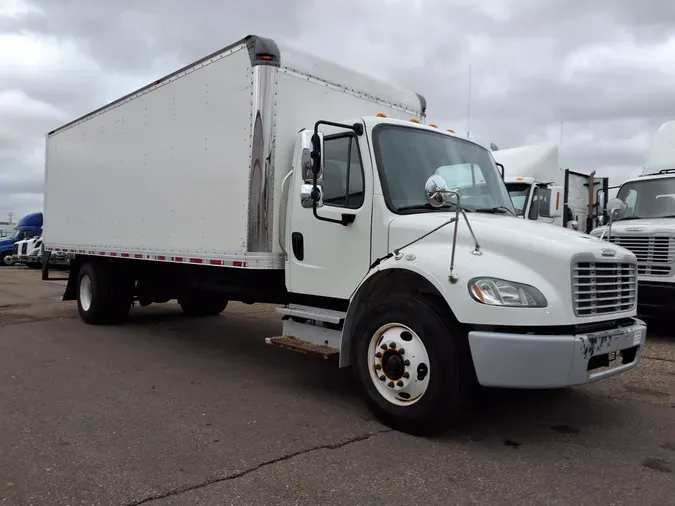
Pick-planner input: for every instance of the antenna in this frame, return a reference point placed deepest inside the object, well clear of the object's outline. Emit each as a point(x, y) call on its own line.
point(468, 121)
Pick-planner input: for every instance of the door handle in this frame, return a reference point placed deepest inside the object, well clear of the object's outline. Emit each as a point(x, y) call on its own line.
point(298, 244)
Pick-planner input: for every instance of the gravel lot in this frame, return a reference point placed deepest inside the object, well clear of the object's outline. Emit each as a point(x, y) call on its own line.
point(171, 411)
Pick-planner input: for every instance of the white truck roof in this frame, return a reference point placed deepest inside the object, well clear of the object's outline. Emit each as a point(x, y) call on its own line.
point(662, 150)
point(538, 161)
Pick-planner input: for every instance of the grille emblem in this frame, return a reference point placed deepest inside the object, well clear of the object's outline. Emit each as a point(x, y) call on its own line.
point(608, 253)
point(635, 229)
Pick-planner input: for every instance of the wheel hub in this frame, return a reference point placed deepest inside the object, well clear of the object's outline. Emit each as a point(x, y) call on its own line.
point(399, 364)
point(392, 365)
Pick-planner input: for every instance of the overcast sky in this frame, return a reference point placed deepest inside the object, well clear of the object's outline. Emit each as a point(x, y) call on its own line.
point(604, 67)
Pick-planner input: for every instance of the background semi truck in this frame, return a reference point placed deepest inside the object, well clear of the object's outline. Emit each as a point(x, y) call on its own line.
point(27, 227)
point(542, 190)
point(648, 226)
point(264, 174)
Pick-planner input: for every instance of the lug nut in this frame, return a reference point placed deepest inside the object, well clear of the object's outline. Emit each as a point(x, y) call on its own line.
point(378, 366)
point(399, 383)
point(392, 346)
point(401, 351)
point(406, 375)
point(390, 384)
point(407, 362)
point(382, 378)
point(384, 346)
point(378, 355)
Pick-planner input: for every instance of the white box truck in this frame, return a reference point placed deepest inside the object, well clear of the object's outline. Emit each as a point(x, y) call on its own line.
point(264, 174)
point(541, 190)
point(647, 223)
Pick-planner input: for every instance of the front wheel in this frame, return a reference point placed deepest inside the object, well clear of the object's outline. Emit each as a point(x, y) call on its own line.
point(413, 364)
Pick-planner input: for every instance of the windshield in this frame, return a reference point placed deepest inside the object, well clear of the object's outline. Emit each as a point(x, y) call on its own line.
point(518, 193)
point(407, 157)
point(649, 198)
point(17, 232)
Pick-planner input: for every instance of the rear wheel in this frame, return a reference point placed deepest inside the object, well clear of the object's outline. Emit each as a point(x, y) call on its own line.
point(202, 304)
point(413, 364)
point(103, 294)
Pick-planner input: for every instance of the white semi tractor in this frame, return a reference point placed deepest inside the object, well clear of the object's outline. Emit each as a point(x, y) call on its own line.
point(264, 174)
point(647, 226)
point(541, 190)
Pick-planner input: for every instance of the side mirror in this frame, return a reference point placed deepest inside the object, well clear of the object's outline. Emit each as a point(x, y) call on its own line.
point(435, 189)
point(500, 167)
point(312, 158)
point(616, 209)
point(555, 202)
point(308, 195)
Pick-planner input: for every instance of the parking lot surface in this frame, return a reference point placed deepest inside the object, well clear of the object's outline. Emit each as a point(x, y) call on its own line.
point(167, 410)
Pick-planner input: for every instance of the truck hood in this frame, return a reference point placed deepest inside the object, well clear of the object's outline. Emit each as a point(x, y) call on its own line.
point(499, 232)
point(512, 249)
point(6, 243)
point(644, 226)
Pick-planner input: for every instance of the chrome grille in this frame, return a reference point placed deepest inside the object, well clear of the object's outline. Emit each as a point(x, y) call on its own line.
point(655, 253)
point(600, 288)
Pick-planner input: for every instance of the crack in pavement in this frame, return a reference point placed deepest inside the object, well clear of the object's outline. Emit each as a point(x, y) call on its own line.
point(240, 474)
point(651, 357)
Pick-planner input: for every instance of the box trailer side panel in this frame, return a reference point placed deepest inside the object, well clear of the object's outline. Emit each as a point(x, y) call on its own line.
point(165, 171)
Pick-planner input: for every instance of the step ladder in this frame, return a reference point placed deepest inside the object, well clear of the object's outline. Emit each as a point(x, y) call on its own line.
point(304, 330)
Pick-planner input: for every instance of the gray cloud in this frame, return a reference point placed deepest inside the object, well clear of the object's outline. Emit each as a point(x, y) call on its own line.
point(602, 67)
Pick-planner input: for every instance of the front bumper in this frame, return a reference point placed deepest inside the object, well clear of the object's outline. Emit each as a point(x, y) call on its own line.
point(555, 361)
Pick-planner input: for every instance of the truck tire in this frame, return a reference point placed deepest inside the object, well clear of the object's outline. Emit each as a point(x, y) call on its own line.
point(413, 364)
point(103, 296)
point(3, 259)
point(198, 305)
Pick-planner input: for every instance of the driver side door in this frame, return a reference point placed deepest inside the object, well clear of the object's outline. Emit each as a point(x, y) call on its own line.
point(323, 258)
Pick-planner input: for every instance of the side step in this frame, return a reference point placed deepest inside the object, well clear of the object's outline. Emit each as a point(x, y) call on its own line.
point(308, 337)
point(313, 313)
point(300, 346)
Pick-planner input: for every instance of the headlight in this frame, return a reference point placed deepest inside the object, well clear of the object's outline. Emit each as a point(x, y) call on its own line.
point(498, 292)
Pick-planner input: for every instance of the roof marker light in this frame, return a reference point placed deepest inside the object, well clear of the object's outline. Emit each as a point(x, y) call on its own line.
point(380, 115)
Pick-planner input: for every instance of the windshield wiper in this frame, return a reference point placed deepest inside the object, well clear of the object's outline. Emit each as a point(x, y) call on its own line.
point(494, 210)
point(427, 206)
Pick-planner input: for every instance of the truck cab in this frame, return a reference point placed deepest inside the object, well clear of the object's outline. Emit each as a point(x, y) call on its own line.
point(27, 227)
point(647, 226)
point(543, 191)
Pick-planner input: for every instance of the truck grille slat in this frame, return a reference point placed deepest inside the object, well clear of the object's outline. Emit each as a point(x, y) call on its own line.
point(655, 253)
point(603, 287)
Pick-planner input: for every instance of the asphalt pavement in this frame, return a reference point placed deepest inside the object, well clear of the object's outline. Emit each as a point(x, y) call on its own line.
point(167, 410)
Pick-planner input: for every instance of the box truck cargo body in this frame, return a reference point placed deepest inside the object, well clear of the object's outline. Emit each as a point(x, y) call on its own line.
point(264, 174)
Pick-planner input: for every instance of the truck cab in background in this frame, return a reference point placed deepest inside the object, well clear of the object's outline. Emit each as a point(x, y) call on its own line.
point(647, 226)
point(28, 227)
point(542, 191)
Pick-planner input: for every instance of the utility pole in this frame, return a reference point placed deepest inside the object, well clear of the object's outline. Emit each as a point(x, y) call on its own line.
point(468, 121)
point(10, 217)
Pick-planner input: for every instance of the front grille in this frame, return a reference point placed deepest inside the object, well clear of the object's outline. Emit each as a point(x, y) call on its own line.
point(655, 253)
point(600, 288)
